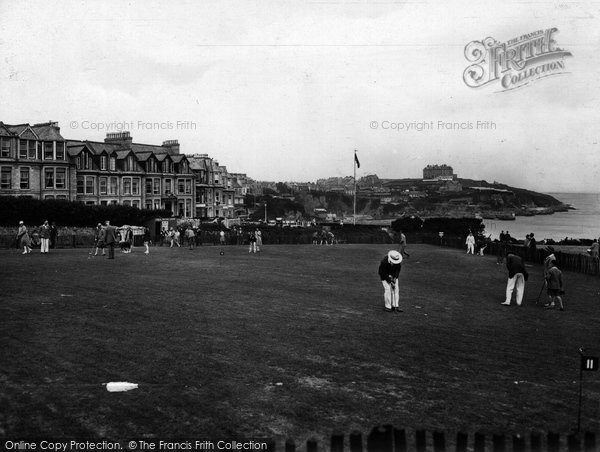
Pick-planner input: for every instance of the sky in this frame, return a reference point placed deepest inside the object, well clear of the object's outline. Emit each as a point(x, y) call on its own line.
point(287, 90)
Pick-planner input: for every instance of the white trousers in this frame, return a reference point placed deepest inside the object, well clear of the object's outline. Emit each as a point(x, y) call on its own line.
point(470, 248)
point(44, 247)
point(391, 300)
point(518, 282)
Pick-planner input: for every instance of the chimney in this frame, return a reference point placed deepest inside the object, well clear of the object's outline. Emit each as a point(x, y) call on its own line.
point(172, 146)
point(122, 138)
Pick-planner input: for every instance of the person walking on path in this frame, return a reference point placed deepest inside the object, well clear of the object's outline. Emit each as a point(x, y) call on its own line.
point(23, 239)
point(258, 235)
point(555, 287)
point(389, 270)
point(470, 242)
point(402, 244)
point(147, 240)
point(517, 275)
point(45, 237)
point(110, 237)
point(222, 237)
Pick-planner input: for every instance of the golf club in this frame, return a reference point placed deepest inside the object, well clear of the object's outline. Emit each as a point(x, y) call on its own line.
point(541, 290)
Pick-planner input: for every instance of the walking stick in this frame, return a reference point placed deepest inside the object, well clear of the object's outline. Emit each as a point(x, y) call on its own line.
point(541, 290)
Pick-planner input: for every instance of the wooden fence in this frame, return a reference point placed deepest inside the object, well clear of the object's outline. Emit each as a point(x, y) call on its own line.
point(580, 263)
point(389, 439)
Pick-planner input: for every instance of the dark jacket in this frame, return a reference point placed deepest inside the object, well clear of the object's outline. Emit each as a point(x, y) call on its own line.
point(386, 270)
point(515, 265)
point(110, 235)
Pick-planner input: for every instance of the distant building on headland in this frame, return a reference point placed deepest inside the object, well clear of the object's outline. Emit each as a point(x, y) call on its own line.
point(438, 173)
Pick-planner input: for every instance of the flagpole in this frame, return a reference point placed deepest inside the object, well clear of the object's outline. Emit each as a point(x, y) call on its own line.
point(354, 165)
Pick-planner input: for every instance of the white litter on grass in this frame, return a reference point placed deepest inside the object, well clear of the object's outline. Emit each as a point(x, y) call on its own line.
point(65, 295)
point(120, 386)
point(279, 383)
point(419, 307)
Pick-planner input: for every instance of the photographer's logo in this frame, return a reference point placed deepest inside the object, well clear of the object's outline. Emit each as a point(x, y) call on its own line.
point(514, 63)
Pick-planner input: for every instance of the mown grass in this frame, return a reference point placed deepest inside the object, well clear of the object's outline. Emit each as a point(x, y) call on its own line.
point(292, 342)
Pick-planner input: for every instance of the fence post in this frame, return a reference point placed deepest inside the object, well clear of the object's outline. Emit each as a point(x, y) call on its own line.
point(499, 443)
point(553, 442)
point(479, 442)
point(337, 443)
point(536, 442)
point(518, 443)
point(311, 445)
point(573, 443)
point(439, 442)
point(380, 439)
point(589, 442)
point(356, 442)
point(461, 442)
point(421, 440)
point(400, 440)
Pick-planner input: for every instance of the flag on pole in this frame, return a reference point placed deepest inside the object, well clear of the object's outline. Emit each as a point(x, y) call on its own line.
point(356, 160)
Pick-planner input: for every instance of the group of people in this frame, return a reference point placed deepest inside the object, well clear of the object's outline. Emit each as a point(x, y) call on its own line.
point(323, 237)
point(44, 236)
point(391, 265)
point(107, 237)
point(476, 246)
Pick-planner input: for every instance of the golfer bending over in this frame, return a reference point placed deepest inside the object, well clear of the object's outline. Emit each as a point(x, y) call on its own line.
point(389, 270)
point(517, 275)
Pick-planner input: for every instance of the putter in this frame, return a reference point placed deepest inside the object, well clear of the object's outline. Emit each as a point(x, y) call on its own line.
point(541, 290)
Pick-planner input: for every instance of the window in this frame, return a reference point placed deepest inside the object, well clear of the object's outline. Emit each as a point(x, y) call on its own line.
point(167, 186)
point(60, 150)
point(127, 202)
point(151, 165)
point(49, 197)
point(89, 185)
point(80, 185)
point(61, 178)
point(113, 186)
point(87, 160)
point(188, 186)
point(78, 162)
point(126, 186)
point(103, 203)
point(156, 190)
point(148, 186)
point(103, 185)
point(130, 163)
point(48, 150)
point(49, 177)
point(180, 186)
point(61, 196)
point(32, 150)
point(156, 204)
point(135, 186)
point(24, 178)
point(103, 162)
point(22, 149)
point(135, 203)
point(4, 147)
point(113, 163)
point(148, 204)
point(6, 177)
point(188, 207)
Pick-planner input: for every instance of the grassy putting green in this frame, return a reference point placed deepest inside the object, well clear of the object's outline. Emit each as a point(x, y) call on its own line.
point(292, 342)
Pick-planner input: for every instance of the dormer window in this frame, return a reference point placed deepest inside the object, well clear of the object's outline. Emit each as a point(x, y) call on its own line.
point(112, 163)
point(103, 162)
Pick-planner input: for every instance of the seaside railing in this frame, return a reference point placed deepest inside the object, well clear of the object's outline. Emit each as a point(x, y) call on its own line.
point(580, 263)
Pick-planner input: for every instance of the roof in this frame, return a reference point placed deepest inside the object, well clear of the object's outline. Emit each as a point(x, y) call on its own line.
point(143, 148)
point(143, 156)
point(122, 154)
point(75, 150)
point(178, 157)
point(196, 163)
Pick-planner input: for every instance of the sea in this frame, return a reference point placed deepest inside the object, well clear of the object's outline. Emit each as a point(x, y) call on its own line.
point(581, 223)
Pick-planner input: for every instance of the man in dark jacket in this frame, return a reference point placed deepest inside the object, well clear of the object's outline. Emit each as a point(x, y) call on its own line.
point(517, 275)
point(389, 270)
point(110, 237)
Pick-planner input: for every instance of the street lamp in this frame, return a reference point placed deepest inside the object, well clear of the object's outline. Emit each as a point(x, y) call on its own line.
point(265, 212)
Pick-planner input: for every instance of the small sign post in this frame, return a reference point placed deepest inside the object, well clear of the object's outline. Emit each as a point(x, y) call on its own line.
point(588, 364)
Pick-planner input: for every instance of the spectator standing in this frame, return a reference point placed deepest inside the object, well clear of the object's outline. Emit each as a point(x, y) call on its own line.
point(555, 287)
point(147, 240)
point(517, 275)
point(389, 270)
point(595, 251)
point(402, 244)
point(53, 235)
point(222, 237)
point(110, 237)
point(190, 237)
point(23, 239)
point(470, 242)
point(177, 237)
point(99, 240)
point(532, 251)
point(252, 241)
point(259, 242)
point(45, 237)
